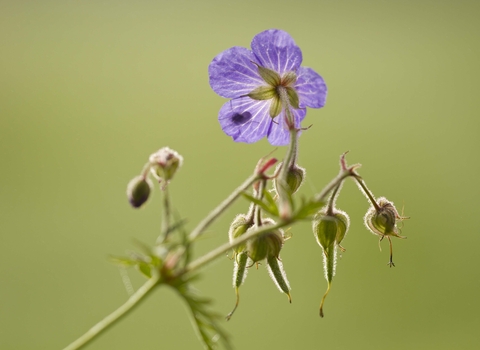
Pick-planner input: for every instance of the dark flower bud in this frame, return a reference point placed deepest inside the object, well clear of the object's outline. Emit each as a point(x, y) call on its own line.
point(165, 163)
point(382, 221)
point(138, 190)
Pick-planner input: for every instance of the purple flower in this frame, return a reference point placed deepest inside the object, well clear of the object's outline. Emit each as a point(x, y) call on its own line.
point(263, 85)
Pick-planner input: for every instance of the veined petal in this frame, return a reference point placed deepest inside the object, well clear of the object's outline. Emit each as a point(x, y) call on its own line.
point(232, 73)
point(278, 133)
point(275, 49)
point(311, 88)
point(245, 120)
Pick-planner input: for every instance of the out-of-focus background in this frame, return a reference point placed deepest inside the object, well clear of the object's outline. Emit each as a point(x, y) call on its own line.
point(90, 88)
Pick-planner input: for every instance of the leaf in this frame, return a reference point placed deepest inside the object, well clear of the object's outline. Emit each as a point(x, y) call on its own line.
point(261, 204)
point(308, 209)
point(145, 269)
point(271, 202)
point(121, 261)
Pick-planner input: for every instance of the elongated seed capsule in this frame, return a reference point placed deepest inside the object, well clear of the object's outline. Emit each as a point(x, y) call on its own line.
point(329, 265)
point(278, 275)
point(239, 275)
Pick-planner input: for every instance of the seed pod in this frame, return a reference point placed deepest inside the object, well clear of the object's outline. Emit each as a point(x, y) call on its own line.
point(278, 275)
point(382, 221)
point(138, 191)
point(329, 230)
point(267, 245)
point(239, 275)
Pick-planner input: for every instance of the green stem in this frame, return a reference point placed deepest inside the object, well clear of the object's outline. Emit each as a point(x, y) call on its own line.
point(165, 225)
point(331, 186)
point(108, 321)
point(367, 193)
point(331, 201)
point(215, 213)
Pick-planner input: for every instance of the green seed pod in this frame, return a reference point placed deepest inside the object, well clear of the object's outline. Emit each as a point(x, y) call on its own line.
point(382, 221)
point(343, 225)
point(295, 178)
point(138, 191)
point(329, 230)
point(267, 245)
point(239, 275)
point(165, 163)
point(239, 226)
point(278, 275)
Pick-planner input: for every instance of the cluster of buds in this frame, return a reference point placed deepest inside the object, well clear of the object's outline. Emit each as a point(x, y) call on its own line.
point(163, 165)
point(266, 246)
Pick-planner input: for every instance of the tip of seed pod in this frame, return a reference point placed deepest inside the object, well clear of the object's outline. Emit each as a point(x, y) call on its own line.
point(289, 298)
point(321, 311)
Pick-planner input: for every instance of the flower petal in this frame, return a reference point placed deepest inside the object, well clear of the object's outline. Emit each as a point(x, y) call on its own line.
point(232, 73)
point(278, 133)
point(311, 88)
point(245, 120)
point(275, 49)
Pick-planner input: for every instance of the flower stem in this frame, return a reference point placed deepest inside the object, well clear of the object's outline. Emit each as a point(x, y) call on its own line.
point(165, 224)
point(101, 326)
point(215, 213)
point(367, 192)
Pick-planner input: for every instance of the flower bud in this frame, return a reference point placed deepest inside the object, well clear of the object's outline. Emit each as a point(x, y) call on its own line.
point(295, 178)
point(165, 163)
point(239, 226)
point(138, 190)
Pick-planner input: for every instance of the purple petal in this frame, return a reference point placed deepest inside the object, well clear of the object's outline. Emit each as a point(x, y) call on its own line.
point(279, 135)
point(245, 120)
point(311, 88)
point(232, 73)
point(275, 49)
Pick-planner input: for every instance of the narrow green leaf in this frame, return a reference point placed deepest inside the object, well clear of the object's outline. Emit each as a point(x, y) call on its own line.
point(260, 203)
point(273, 205)
point(121, 261)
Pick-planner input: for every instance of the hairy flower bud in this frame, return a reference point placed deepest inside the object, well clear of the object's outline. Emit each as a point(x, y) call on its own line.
point(165, 163)
point(382, 221)
point(138, 190)
point(239, 226)
point(295, 178)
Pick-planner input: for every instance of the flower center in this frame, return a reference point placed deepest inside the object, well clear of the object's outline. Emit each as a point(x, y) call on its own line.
point(279, 89)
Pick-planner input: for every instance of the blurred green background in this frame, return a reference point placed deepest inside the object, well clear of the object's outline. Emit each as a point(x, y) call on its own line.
point(90, 88)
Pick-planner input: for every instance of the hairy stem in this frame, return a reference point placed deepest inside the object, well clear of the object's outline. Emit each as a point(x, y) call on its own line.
point(367, 192)
point(165, 225)
point(215, 213)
